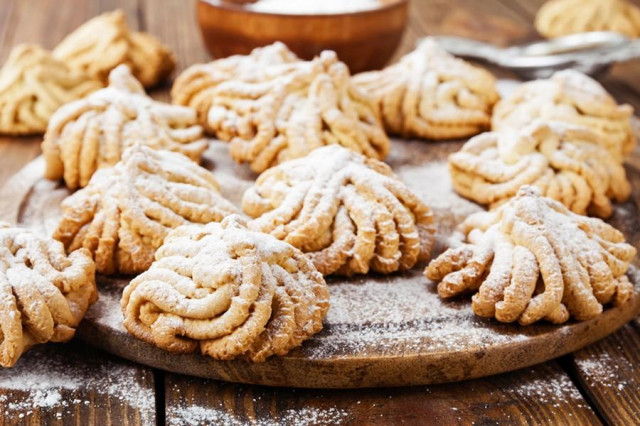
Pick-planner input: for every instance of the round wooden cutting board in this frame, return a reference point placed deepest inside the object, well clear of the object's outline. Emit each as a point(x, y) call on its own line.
point(381, 330)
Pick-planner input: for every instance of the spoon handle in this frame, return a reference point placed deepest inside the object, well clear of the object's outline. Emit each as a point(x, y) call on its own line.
point(460, 46)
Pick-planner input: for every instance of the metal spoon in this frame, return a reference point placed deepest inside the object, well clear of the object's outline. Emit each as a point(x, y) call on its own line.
point(591, 53)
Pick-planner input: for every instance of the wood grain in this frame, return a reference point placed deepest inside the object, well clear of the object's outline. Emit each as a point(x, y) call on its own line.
point(73, 384)
point(433, 341)
point(543, 396)
point(173, 21)
point(609, 373)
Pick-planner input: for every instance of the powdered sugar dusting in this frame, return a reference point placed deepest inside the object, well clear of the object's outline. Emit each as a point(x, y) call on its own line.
point(377, 316)
point(604, 370)
point(42, 379)
point(401, 313)
point(312, 7)
point(196, 415)
point(107, 311)
point(432, 183)
point(372, 315)
point(556, 391)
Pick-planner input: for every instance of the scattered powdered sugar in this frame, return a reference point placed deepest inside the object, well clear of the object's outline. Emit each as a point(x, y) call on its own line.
point(556, 391)
point(234, 178)
point(107, 311)
point(432, 183)
point(43, 379)
point(380, 315)
point(391, 300)
point(195, 415)
point(604, 370)
point(39, 398)
point(312, 416)
point(373, 315)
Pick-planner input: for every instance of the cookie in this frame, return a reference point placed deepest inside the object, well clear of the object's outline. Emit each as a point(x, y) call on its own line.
point(195, 86)
point(571, 97)
point(564, 162)
point(430, 94)
point(91, 133)
point(123, 215)
point(33, 85)
point(533, 259)
point(272, 108)
point(227, 291)
point(563, 17)
point(106, 41)
point(44, 293)
point(350, 214)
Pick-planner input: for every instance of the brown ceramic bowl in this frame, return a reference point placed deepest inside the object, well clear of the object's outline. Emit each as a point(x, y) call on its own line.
point(364, 40)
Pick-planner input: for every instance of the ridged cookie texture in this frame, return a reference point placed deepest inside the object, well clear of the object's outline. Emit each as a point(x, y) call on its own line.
point(44, 293)
point(574, 98)
point(565, 162)
point(272, 107)
point(33, 85)
point(91, 133)
point(557, 18)
point(533, 259)
point(106, 41)
point(350, 214)
point(126, 211)
point(227, 291)
point(431, 94)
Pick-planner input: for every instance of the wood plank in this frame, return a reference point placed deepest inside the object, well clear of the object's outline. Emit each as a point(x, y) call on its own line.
point(540, 395)
point(7, 27)
point(494, 22)
point(64, 384)
point(15, 153)
point(54, 20)
point(525, 8)
point(73, 384)
point(176, 25)
point(400, 401)
point(608, 372)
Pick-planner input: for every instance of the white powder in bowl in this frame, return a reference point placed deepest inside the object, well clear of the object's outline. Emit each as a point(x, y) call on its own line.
point(312, 7)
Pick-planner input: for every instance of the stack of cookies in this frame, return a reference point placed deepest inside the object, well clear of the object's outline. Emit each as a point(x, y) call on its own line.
point(206, 278)
point(555, 152)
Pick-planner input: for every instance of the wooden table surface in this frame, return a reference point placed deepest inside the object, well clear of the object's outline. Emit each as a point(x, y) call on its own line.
point(75, 384)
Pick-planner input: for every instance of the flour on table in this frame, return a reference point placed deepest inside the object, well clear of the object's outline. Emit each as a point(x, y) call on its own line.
point(603, 370)
point(43, 380)
point(557, 390)
point(107, 311)
point(432, 184)
point(312, 7)
point(381, 315)
point(195, 415)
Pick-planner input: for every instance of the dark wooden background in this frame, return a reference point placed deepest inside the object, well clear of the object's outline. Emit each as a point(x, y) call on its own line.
point(74, 384)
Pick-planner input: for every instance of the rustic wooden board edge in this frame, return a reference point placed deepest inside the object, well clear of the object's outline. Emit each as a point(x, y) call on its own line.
point(339, 372)
point(15, 190)
point(362, 372)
